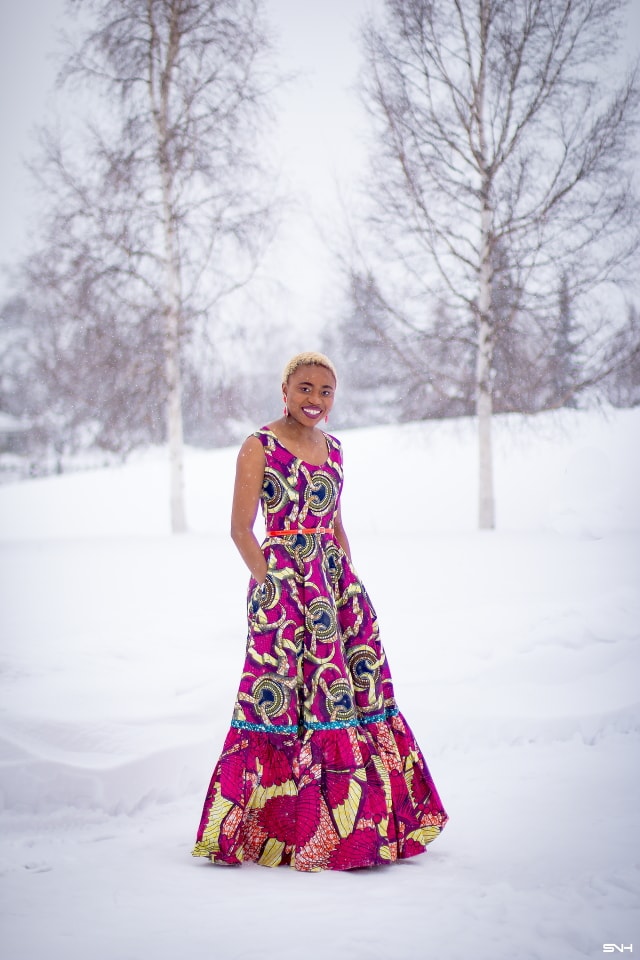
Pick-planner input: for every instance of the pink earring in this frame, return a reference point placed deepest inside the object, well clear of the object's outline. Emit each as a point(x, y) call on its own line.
point(286, 412)
point(326, 419)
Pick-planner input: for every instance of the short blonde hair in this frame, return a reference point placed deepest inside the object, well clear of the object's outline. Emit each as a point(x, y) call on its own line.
point(312, 359)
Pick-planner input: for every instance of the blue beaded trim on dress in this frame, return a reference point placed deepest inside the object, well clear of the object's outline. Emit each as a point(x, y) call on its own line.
point(315, 724)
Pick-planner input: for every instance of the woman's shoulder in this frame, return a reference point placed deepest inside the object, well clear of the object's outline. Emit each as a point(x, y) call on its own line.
point(261, 443)
point(263, 435)
point(253, 445)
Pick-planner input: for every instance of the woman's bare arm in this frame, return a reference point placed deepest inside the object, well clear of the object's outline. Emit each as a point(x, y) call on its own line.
point(246, 497)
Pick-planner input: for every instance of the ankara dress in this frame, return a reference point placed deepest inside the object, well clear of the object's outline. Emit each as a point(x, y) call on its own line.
point(319, 769)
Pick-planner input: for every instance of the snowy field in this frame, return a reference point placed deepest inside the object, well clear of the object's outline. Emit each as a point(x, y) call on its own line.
point(515, 657)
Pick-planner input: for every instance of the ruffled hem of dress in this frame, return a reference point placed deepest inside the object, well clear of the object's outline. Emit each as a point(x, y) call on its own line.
point(340, 798)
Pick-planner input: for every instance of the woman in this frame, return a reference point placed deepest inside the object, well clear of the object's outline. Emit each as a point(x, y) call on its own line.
point(319, 769)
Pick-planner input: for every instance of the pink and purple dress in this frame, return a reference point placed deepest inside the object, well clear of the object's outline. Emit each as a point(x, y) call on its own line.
point(319, 769)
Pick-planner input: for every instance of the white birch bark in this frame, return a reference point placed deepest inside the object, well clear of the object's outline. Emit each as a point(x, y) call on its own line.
point(174, 387)
point(484, 359)
point(484, 393)
point(159, 89)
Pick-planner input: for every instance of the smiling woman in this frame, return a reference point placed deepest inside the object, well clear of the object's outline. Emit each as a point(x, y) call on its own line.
point(309, 383)
point(319, 769)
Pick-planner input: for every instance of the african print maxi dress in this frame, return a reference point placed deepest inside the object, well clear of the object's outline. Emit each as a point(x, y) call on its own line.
point(319, 769)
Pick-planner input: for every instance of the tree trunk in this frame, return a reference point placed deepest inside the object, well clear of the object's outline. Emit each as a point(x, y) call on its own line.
point(174, 422)
point(484, 387)
point(172, 365)
point(173, 305)
point(484, 362)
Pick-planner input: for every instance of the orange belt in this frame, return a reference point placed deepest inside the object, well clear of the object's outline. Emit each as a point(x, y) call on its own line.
point(293, 530)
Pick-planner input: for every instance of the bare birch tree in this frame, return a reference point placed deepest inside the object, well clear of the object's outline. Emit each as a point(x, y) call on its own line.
point(497, 130)
point(158, 201)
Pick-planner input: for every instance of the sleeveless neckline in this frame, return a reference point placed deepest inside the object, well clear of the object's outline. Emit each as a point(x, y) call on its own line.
point(307, 463)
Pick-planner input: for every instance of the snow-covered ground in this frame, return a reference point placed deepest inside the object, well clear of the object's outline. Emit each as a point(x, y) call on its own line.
point(515, 657)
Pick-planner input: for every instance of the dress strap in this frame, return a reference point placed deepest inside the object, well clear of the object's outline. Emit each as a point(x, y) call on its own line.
point(263, 435)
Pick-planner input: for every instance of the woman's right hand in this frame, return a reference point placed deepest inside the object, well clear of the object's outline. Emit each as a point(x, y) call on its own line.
point(263, 579)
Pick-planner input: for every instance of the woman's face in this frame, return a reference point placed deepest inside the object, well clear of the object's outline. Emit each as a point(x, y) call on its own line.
point(309, 393)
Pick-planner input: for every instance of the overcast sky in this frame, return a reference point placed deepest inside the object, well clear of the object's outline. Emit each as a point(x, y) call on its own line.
point(321, 126)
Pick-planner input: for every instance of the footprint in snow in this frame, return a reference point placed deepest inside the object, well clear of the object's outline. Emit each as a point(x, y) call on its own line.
point(38, 866)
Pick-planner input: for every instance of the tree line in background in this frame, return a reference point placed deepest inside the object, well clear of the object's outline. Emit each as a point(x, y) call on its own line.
point(502, 213)
point(395, 372)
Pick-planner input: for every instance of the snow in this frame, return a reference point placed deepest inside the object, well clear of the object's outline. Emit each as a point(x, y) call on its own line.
point(515, 659)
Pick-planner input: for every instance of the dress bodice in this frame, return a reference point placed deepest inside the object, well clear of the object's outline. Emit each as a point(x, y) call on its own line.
point(295, 492)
